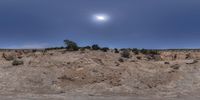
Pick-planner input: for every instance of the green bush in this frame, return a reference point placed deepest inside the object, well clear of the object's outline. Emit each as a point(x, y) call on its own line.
point(121, 60)
point(87, 47)
point(116, 50)
point(17, 62)
point(34, 50)
point(125, 54)
point(54, 48)
point(105, 49)
point(71, 45)
point(144, 51)
point(122, 49)
point(135, 50)
point(153, 52)
point(95, 47)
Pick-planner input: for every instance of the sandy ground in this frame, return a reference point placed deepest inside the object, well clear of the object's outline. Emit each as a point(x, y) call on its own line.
point(97, 75)
point(78, 97)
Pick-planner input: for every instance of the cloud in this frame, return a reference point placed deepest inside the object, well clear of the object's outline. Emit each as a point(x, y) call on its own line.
point(29, 46)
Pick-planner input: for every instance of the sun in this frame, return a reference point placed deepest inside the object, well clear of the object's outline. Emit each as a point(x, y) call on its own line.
point(101, 17)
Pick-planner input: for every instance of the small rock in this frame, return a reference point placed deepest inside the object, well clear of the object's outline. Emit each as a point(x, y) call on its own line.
point(166, 63)
point(192, 62)
point(139, 57)
point(176, 66)
point(117, 64)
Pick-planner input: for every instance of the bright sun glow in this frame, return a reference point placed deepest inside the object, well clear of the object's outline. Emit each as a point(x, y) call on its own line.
point(101, 18)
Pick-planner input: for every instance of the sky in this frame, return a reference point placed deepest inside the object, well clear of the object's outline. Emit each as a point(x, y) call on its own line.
point(154, 24)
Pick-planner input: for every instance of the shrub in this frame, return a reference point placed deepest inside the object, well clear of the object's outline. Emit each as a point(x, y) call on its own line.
point(166, 63)
point(71, 45)
point(188, 56)
point(144, 51)
point(17, 62)
point(8, 57)
point(87, 47)
point(156, 57)
point(149, 57)
point(153, 52)
point(61, 47)
point(125, 54)
point(121, 59)
point(105, 49)
point(174, 57)
point(122, 49)
point(116, 50)
point(34, 50)
point(139, 57)
point(95, 47)
point(55, 48)
point(135, 50)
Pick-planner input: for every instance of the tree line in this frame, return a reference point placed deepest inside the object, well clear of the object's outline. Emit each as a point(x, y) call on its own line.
point(73, 46)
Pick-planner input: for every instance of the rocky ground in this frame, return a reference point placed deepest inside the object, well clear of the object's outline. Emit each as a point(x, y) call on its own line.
point(88, 75)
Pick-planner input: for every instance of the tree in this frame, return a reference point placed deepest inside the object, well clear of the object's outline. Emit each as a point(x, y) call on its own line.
point(95, 47)
point(71, 45)
point(116, 50)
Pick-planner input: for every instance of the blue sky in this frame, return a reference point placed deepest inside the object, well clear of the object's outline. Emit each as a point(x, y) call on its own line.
point(131, 23)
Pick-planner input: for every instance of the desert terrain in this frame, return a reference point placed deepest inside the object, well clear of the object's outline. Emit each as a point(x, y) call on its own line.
point(97, 75)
